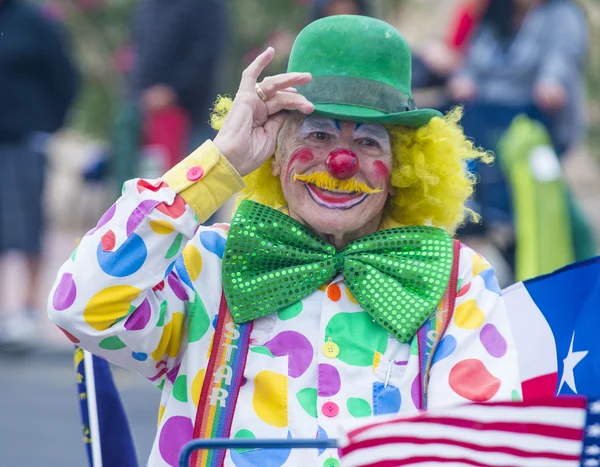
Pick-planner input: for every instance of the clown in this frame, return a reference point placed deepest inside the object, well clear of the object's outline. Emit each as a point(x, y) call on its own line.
point(336, 292)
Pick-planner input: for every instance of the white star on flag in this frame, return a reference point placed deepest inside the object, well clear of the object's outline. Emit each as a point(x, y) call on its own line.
point(570, 362)
point(592, 450)
point(591, 463)
point(595, 408)
point(594, 430)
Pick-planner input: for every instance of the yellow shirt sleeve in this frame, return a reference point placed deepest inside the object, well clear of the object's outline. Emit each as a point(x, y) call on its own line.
point(205, 180)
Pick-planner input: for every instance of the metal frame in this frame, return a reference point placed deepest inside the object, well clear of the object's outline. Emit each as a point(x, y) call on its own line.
point(227, 443)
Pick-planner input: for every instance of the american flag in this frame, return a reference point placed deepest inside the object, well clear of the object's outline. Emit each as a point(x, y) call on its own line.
point(559, 432)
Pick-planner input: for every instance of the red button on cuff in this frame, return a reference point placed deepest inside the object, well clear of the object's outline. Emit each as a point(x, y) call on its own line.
point(330, 409)
point(195, 173)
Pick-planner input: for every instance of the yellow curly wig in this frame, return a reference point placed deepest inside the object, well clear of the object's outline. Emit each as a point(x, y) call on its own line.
point(428, 172)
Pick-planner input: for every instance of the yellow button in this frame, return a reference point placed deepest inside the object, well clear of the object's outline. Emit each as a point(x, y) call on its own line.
point(331, 349)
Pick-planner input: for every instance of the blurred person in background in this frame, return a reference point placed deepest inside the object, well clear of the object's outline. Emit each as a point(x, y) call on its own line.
point(525, 57)
point(438, 60)
point(178, 48)
point(38, 84)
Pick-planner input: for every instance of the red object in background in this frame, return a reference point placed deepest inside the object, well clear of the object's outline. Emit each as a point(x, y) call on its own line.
point(342, 164)
point(169, 129)
point(466, 19)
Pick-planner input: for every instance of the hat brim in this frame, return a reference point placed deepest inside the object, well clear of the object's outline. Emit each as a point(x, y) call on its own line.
point(411, 118)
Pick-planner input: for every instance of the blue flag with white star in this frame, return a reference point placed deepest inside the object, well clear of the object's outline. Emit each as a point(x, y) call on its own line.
point(555, 321)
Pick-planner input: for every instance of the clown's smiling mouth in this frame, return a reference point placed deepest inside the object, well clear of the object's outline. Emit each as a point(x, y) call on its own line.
point(334, 199)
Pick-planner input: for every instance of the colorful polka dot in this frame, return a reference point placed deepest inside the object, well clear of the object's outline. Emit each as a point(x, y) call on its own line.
point(139, 356)
point(244, 434)
point(199, 321)
point(358, 407)
point(467, 315)
point(180, 389)
point(70, 336)
point(472, 380)
point(490, 281)
point(307, 398)
point(415, 391)
point(270, 398)
point(108, 241)
point(321, 434)
point(161, 412)
point(182, 272)
point(177, 287)
point(262, 457)
point(515, 396)
point(492, 341)
point(138, 320)
point(174, 434)
point(329, 380)
point(175, 246)
point(262, 350)
point(109, 306)
point(290, 312)
point(163, 314)
point(357, 337)
point(463, 291)
point(143, 185)
point(479, 264)
point(298, 349)
point(386, 399)
point(376, 360)
point(334, 292)
point(111, 343)
point(193, 261)
point(445, 348)
point(170, 340)
point(65, 293)
point(197, 386)
point(139, 214)
point(108, 215)
point(161, 227)
point(174, 210)
point(213, 242)
point(350, 297)
point(126, 260)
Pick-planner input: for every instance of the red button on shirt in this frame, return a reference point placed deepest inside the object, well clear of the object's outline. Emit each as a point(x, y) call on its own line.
point(195, 173)
point(330, 409)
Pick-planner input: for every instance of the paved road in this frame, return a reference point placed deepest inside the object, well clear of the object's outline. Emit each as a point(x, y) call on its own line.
point(39, 417)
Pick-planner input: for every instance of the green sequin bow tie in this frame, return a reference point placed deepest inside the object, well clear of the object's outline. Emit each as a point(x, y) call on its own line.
point(271, 261)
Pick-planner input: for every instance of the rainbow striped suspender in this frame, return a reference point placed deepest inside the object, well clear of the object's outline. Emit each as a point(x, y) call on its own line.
point(221, 386)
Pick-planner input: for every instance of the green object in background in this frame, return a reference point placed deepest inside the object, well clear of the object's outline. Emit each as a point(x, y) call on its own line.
point(125, 144)
point(544, 240)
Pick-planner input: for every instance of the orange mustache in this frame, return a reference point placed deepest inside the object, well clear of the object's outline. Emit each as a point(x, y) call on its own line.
point(326, 182)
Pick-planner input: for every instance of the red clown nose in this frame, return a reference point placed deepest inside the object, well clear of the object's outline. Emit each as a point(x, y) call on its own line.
point(342, 164)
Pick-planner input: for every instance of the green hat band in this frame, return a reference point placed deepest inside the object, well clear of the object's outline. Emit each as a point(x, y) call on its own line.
point(355, 91)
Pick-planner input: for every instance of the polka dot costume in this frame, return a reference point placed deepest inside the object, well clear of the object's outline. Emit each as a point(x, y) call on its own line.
point(143, 291)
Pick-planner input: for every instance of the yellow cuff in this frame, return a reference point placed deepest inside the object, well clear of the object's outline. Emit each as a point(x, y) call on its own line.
point(205, 180)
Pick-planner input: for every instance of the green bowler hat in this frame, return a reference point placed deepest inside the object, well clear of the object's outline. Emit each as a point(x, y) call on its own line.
point(361, 70)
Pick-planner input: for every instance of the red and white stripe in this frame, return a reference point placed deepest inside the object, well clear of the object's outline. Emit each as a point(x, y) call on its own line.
point(511, 434)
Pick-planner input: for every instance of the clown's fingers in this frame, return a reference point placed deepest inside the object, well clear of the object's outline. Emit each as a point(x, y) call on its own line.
point(289, 101)
point(271, 85)
point(251, 74)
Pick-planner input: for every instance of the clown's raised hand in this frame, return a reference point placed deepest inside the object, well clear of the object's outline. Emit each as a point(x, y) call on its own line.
point(249, 133)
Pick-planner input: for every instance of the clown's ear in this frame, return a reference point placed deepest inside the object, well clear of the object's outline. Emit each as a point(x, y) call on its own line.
point(275, 167)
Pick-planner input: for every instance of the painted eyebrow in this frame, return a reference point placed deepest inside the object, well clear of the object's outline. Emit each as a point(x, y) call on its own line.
point(372, 130)
point(311, 124)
